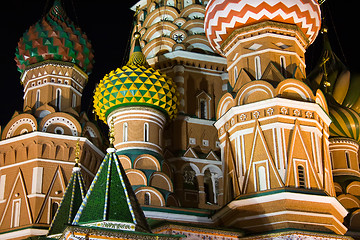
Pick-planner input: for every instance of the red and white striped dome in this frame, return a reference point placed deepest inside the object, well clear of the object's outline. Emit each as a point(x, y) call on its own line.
point(224, 16)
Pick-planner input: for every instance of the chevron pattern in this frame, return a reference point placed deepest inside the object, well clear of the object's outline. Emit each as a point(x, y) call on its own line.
point(224, 16)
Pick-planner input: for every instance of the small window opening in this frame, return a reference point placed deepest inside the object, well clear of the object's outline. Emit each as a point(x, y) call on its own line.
point(347, 157)
point(147, 198)
point(301, 176)
point(125, 132)
point(146, 132)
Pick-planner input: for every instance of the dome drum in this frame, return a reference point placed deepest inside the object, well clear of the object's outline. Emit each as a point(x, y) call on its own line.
point(138, 126)
point(281, 31)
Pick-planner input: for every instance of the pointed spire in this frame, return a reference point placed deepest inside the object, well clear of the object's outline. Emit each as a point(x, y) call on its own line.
point(72, 199)
point(57, 12)
point(111, 201)
point(137, 58)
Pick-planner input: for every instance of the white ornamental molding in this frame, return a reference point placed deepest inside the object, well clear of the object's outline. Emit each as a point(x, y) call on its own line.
point(19, 123)
point(61, 120)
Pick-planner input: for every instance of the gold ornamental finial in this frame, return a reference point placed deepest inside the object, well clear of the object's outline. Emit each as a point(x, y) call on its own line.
point(77, 153)
point(111, 133)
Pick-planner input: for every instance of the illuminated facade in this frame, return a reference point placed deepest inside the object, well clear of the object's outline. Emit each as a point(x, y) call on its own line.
point(216, 130)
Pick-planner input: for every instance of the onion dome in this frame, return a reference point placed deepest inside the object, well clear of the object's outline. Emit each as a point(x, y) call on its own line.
point(223, 17)
point(136, 84)
point(334, 79)
point(341, 92)
point(54, 37)
point(345, 123)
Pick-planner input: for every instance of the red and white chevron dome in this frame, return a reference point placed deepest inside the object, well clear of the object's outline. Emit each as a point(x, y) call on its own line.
point(224, 16)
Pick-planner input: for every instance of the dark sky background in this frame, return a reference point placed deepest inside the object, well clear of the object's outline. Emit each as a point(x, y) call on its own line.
point(107, 24)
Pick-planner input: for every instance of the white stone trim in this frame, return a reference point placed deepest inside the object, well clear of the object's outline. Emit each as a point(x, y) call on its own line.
point(177, 217)
point(190, 56)
point(67, 122)
point(51, 135)
point(45, 160)
point(23, 233)
point(311, 198)
point(270, 103)
point(19, 123)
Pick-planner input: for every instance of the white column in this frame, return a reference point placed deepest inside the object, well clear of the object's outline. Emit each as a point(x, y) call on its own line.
point(213, 177)
point(2, 187)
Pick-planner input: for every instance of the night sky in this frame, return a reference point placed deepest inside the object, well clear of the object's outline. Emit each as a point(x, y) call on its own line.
point(107, 24)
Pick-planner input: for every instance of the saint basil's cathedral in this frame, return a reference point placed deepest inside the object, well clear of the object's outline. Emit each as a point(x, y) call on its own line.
point(215, 129)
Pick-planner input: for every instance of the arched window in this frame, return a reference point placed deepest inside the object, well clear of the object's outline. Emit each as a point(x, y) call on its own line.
point(160, 136)
point(262, 179)
point(210, 187)
point(347, 158)
point(125, 132)
point(16, 213)
point(203, 109)
point(203, 101)
point(54, 208)
point(257, 68)
point(147, 198)
point(301, 176)
point(37, 103)
point(282, 65)
point(146, 132)
point(58, 99)
point(59, 130)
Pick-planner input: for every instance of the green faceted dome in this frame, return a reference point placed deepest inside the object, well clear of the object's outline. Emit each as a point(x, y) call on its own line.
point(136, 84)
point(54, 37)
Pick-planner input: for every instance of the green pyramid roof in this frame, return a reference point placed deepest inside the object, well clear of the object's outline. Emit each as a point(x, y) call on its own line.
point(110, 201)
point(72, 199)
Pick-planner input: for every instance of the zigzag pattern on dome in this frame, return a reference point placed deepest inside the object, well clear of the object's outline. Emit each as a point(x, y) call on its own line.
point(224, 16)
point(135, 85)
point(54, 37)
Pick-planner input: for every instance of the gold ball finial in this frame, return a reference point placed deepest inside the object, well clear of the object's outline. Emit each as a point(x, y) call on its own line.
point(137, 35)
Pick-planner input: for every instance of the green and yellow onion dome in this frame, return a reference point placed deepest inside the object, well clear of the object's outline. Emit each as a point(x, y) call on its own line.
point(341, 90)
point(54, 37)
point(136, 84)
point(345, 123)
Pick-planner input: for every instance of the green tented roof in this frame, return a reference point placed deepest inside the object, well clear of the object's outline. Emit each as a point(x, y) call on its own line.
point(72, 199)
point(111, 201)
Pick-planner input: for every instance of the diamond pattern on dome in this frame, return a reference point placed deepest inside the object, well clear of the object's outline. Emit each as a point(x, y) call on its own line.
point(54, 37)
point(135, 85)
